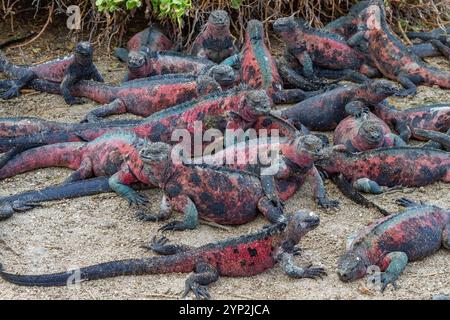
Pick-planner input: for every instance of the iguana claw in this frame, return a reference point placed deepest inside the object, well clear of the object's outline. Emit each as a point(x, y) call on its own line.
point(11, 93)
point(173, 226)
point(9, 208)
point(201, 292)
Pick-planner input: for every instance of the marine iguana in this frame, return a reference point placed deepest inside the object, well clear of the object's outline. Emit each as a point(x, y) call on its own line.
point(67, 71)
point(258, 68)
point(365, 132)
point(211, 111)
point(237, 257)
point(371, 171)
point(215, 41)
point(391, 242)
point(322, 49)
point(151, 37)
point(433, 117)
point(141, 97)
point(391, 56)
point(324, 111)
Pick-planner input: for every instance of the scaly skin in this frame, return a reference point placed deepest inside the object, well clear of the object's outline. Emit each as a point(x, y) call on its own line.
point(215, 41)
point(347, 26)
point(140, 97)
point(221, 195)
point(258, 68)
point(391, 57)
point(296, 164)
point(148, 64)
point(211, 110)
point(323, 112)
point(152, 38)
point(434, 117)
point(237, 257)
point(436, 34)
point(24, 126)
point(372, 171)
point(295, 167)
point(391, 242)
point(365, 132)
point(66, 71)
point(143, 64)
point(321, 49)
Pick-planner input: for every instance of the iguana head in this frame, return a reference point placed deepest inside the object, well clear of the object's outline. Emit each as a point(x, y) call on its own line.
point(255, 30)
point(136, 59)
point(311, 145)
point(84, 52)
point(207, 85)
point(219, 19)
point(256, 103)
point(223, 74)
point(156, 157)
point(378, 90)
point(372, 132)
point(284, 25)
point(297, 225)
point(371, 17)
point(351, 266)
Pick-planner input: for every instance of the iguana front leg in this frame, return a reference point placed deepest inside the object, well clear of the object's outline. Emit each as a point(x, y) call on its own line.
point(294, 79)
point(291, 269)
point(68, 81)
point(356, 108)
point(165, 211)
point(356, 39)
point(394, 140)
point(163, 247)
point(442, 48)
point(307, 65)
point(14, 90)
point(270, 190)
point(95, 75)
point(396, 262)
point(272, 212)
point(233, 61)
point(368, 186)
point(117, 106)
point(318, 190)
point(410, 87)
point(204, 275)
point(190, 220)
point(120, 181)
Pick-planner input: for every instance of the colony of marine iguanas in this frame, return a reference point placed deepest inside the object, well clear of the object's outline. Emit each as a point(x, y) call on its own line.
point(223, 85)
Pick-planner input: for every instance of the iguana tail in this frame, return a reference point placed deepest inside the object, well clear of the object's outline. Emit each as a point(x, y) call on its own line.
point(121, 54)
point(56, 155)
point(9, 68)
point(437, 77)
point(165, 264)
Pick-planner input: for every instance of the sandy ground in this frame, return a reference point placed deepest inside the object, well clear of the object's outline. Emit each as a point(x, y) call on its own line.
point(80, 232)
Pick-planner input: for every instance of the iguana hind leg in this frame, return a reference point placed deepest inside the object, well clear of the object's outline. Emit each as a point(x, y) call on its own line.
point(204, 275)
point(410, 87)
point(396, 262)
point(163, 247)
point(190, 220)
point(115, 107)
point(292, 270)
point(442, 48)
point(83, 172)
point(446, 237)
point(272, 212)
